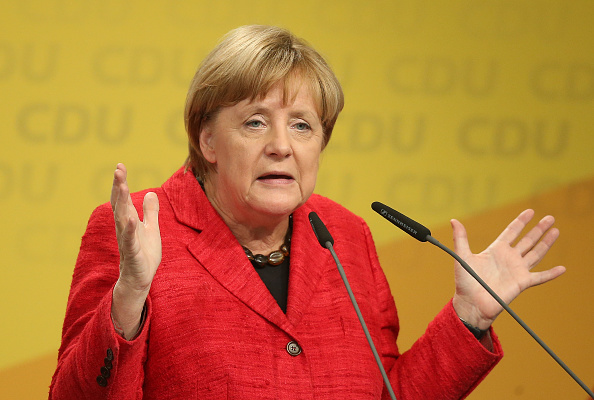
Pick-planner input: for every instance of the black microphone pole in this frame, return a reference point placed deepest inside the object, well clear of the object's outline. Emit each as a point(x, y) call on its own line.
point(423, 234)
point(326, 241)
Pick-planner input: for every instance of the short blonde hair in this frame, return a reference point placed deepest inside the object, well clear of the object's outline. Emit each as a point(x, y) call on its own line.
point(245, 65)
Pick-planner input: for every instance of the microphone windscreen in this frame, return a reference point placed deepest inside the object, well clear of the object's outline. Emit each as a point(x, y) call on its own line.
point(320, 230)
point(408, 225)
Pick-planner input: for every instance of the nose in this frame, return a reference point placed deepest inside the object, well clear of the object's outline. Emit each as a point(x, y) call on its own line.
point(279, 143)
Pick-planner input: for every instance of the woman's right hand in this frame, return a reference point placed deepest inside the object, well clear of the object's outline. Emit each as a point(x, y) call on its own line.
point(139, 244)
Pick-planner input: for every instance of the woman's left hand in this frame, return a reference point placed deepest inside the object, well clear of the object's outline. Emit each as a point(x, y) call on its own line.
point(504, 266)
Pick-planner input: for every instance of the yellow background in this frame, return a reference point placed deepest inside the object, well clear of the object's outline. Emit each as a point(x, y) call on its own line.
point(454, 109)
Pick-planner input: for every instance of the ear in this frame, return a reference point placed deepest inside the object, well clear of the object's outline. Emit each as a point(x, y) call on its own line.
point(207, 143)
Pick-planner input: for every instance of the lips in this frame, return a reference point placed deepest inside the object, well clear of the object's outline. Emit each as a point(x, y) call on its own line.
point(275, 177)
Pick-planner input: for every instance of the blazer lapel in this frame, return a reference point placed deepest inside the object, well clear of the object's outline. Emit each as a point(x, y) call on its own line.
point(219, 251)
point(309, 261)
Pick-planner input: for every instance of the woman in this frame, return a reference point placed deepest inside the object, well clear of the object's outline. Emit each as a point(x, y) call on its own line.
point(217, 288)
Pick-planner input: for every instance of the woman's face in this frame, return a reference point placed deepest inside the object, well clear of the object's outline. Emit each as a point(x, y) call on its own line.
point(265, 153)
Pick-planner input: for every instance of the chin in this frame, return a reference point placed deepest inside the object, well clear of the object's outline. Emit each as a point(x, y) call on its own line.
point(277, 208)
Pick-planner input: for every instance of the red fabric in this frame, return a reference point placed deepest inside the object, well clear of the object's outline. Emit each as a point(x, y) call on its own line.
point(213, 331)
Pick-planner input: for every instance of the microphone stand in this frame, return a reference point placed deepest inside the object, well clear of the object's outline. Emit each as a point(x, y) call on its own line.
point(361, 320)
point(326, 241)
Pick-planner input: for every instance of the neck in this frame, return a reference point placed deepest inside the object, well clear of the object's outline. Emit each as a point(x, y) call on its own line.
point(260, 234)
point(261, 240)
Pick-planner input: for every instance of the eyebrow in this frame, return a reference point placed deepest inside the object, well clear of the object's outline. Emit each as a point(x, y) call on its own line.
point(299, 113)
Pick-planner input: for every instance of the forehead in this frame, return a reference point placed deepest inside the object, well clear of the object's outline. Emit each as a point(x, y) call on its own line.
point(288, 93)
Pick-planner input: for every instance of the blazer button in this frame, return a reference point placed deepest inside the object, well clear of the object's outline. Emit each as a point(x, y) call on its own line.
point(105, 372)
point(102, 381)
point(293, 348)
point(108, 363)
point(109, 354)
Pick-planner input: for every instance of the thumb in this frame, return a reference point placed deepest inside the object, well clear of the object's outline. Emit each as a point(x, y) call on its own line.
point(461, 245)
point(150, 208)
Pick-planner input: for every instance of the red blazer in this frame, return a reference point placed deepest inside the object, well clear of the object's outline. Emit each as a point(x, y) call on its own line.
point(213, 330)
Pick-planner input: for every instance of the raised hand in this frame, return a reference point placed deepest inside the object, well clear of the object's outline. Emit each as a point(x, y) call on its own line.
point(505, 266)
point(139, 244)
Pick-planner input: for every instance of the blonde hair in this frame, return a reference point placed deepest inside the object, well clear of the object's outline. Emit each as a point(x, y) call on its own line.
point(245, 65)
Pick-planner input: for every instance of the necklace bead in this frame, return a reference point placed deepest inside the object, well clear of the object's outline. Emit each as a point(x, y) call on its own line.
point(276, 257)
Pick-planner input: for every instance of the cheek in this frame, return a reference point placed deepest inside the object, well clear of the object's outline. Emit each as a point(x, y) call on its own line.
point(313, 167)
point(240, 167)
point(234, 156)
point(309, 169)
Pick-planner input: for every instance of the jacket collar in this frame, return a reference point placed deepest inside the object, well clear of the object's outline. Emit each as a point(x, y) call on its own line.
point(220, 253)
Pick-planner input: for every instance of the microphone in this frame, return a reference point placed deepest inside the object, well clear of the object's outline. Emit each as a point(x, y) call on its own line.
point(320, 230)
point(408, 225)
point(423, 234)
point(326, 241)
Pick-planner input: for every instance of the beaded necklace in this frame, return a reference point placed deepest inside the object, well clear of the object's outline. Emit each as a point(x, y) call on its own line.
point(276, 257)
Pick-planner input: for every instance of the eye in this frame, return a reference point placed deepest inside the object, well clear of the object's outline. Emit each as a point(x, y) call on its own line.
point(254, 123)
point(301, 126)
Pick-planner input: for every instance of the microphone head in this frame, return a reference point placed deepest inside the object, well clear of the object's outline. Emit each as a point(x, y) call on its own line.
point(320, 230)
point(408, 225)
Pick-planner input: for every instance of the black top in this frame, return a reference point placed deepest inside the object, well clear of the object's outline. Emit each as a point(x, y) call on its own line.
point(276, 279)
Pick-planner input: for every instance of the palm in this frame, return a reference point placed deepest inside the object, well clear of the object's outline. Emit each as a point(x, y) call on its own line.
point(504, 266)
point(139, 242)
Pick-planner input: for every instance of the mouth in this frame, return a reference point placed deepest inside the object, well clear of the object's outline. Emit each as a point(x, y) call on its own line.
point(276, 177)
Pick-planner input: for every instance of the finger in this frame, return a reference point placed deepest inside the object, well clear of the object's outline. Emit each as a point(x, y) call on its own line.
point(128, 238)
point(119, 176)
point(150, 207)
point(514, 229)
point(538, 252)
point(124, 209)
point(532, 237)
point(538, 278)
point(461, 246)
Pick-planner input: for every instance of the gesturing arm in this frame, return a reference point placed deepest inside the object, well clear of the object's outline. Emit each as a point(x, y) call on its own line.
point(94, 362)
point(447, 361)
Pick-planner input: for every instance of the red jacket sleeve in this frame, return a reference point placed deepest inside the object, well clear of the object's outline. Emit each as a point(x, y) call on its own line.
point(94, 362)
point(447, 362)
